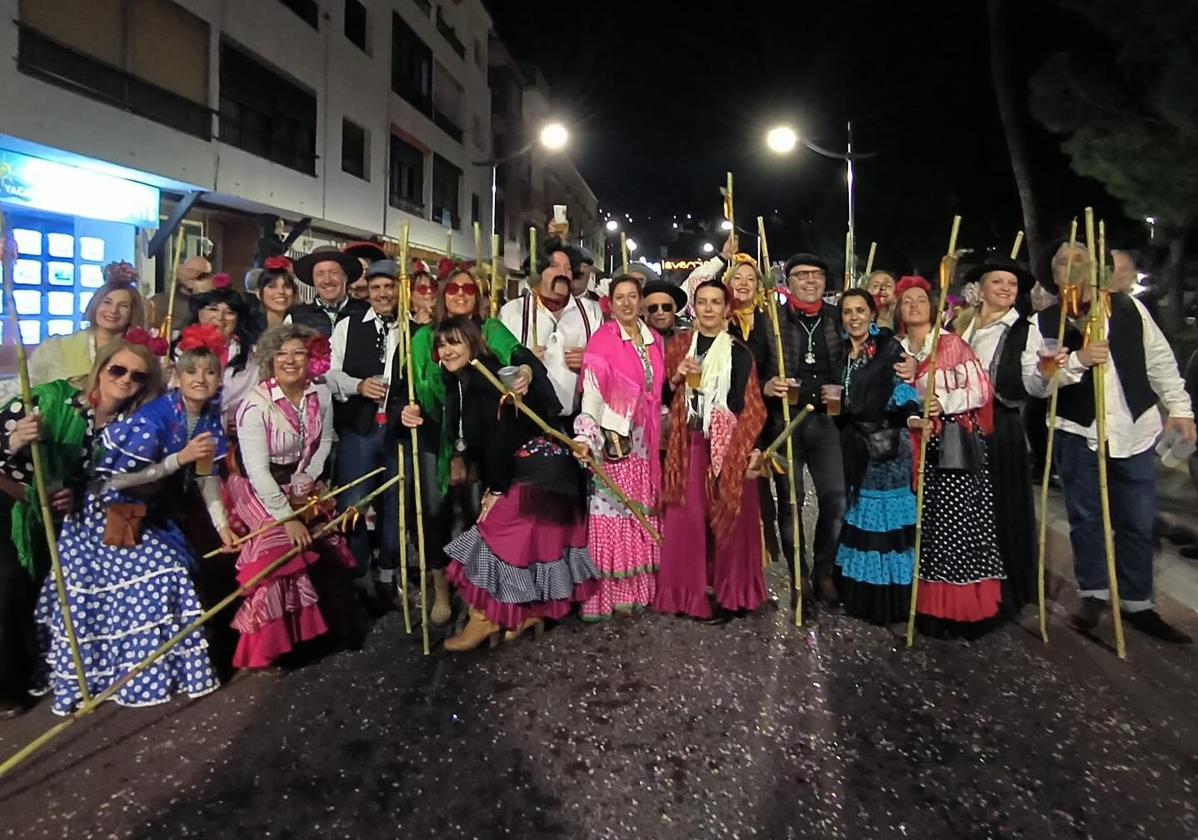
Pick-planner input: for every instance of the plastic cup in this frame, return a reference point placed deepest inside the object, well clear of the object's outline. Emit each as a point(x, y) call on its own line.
point(832, 395)
point(508, 375)
point(792, 392)
point(1174, 450)
point(694, 380)
point(1048, 356)
point(204, 465)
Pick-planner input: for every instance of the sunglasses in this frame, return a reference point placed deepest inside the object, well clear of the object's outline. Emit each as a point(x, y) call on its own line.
point(654, 308)
point(423, 289)
point(137, 377)
point(467, 289)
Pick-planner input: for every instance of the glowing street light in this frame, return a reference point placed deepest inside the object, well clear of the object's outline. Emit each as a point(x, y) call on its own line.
point(782, 139)
point(631, 245)
point(708, 247)
point(612, 225)
point(554, 136)
point(725, 225)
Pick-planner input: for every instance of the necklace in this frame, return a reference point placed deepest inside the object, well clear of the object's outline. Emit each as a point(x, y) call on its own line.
point(459, 445)
point(809, 357)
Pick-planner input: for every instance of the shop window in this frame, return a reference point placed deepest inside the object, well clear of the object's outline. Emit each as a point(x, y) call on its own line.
point(355, 24)
point(411, 66)
point(264, 113)
point(406, 187)
point(354, 149)
point(446, 188)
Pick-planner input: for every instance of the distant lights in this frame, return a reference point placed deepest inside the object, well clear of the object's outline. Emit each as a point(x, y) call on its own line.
point(631, 243)
point(725, 225)
point(612, 225)
point(708, 247)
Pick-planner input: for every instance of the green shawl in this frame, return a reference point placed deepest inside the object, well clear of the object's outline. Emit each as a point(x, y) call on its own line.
point(63, 429)
point(430, 387)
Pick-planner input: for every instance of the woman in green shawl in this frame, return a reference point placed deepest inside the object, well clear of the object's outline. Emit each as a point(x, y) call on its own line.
point(446, 485)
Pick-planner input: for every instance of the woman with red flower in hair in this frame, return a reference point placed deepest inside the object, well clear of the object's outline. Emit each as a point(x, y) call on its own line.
point(285, 432)
point(114, 309)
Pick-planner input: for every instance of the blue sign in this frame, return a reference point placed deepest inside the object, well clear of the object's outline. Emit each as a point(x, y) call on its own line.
point(40, 184)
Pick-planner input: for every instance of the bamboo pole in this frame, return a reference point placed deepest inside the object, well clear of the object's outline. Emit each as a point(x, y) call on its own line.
point(771, 451)
point(869, 262)
point(796, 519)
point(533, 282)
point(275, 523)
point(90, 705)
point(1018, 244)
point(623, 252)
point(729, 214)
point(947, 264)
point(39, 468)
point(400, 469)
point(165, 329)
point(449, 243)
point(406, 337)
point(1055, 386)
point(495, 287)
point(849, 280)
point(1097, 331)
point(572, 445)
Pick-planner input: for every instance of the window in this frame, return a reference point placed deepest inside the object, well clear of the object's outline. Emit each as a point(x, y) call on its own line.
point(355, 24)
point(411, 66)
point(148, 57)
point(448, 97)
point(308, 11)
point(446, 181)
point(475, 209)
point(264, 113)
point(406, 186)
point(354, 149)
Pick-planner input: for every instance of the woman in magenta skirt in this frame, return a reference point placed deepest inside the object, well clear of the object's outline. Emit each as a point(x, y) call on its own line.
point(526, 559)
point(712, 525)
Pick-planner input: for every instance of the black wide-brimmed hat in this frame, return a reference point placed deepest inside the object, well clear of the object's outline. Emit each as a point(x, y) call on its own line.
point(661, 287)
point(372, 252)
point(1025, 277)
point(327, 253)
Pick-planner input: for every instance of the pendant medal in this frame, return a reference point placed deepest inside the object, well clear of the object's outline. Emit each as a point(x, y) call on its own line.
point(809, 359)
point(459, 445)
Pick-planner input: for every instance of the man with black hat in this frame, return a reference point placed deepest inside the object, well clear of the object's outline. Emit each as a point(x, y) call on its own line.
point(1140, 372)
point(363, 350)
point(813, 353)
point(367, 253)
point(661, 302)
point(329, 272)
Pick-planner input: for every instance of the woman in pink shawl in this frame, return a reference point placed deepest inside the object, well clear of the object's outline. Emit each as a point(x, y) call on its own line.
point(623, 371)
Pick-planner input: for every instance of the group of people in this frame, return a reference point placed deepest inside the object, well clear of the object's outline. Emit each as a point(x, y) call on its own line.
point(186, 464)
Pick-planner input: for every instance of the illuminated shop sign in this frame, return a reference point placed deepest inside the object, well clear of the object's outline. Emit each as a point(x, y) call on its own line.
point(681, 265)
point(39, 184)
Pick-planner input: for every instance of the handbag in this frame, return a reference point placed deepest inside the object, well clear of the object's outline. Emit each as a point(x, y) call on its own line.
point(122, 524)
point(616, 447)
point(960, 448)
point(881, 443)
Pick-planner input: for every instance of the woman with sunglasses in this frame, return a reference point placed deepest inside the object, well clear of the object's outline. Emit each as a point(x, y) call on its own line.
point(445, 479)
point(711, 526)
point(127, 569)
point(526, 558)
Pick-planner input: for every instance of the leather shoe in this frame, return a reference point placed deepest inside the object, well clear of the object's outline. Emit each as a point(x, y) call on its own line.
point(1089, 614)
point(1150, 622)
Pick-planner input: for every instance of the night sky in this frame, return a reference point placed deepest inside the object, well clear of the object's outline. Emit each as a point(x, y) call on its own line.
point(661, 103)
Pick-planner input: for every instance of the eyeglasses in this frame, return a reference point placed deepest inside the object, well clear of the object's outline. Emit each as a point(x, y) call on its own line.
point(137, 377)
point(467, 289)
point(654, 308)
point(807, 274)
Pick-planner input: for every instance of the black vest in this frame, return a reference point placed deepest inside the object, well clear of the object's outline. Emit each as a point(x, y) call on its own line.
point(361, 361)
point(1126, 334)
point(311, 315)
point(1007, 373)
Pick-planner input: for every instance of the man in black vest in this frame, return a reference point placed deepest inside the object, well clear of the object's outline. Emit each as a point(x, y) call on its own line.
point(813, 353)
point(1140, 372)
point(330, 272)
point(363, 351)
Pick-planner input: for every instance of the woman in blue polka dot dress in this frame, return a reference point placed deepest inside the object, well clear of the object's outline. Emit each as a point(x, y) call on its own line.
point(126, 566)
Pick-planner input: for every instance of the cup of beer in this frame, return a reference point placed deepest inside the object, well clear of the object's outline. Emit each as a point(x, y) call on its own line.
point(204, 465)
point(694, 380)
point(1048, 356)
point(832, 395)
point(792, 391)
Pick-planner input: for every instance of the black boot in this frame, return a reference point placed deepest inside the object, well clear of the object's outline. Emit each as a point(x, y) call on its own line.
point(1089, 614)
point(1150, 622)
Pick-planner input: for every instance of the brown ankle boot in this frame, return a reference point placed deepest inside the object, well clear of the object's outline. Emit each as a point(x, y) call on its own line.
point(441, 611)
point(534, 624)
point(477, 630)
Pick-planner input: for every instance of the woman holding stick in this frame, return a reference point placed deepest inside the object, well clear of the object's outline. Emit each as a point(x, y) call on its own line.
point(526, 558)
point(961, 571)
point(712, 519)
point(876, 553)
point(623, 372)
point(285, 428)
point(127, 572)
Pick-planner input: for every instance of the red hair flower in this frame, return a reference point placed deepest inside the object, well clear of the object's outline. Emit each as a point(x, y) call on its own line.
point(319, 351)
point(221, 281)
point(447, 268)
point(155, 344)
point(204, 337)
point(277, 264)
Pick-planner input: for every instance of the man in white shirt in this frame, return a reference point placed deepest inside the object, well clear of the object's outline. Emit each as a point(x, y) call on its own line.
point(1140, 372)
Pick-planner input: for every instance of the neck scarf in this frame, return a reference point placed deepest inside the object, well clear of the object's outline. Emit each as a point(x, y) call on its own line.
point(797, 305)
point(717, 379)
point(745, 318)
point(554, 305)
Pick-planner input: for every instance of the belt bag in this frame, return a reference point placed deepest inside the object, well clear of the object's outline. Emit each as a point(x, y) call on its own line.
point(960, 448)
point(122, 525)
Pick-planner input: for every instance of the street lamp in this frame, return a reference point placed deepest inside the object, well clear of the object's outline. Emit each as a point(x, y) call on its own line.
point(708, 247)
point(782, 139)
point(612, 225)
point(631, 243)
point(725, 225)
point(553, 137)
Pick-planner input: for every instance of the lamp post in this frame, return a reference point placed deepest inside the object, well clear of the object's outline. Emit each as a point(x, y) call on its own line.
point(553, 137)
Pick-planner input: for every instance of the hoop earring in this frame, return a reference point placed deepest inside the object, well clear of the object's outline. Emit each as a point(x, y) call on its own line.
point(873, 328)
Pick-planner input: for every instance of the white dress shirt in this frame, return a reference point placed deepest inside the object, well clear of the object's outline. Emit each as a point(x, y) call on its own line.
point(557, 333)
point(984, 341)
point(341, 384)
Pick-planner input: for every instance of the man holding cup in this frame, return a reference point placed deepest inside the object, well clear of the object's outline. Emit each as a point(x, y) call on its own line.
point(363, 351)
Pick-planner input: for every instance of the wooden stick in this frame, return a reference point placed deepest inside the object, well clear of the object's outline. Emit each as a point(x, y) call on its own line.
point(796, 519)
point(165, 329)
point(275, 523)
point(623, 252)
point(849, 281)
point(947, 264)
point(403, 531)
point(533, 282)
point(90, 705)
point(495, 285)
point(1018, 244)
point(39, 469)
point(1055, 386)
point(449, 243)
point(869, 262)
point(1098, 333)
point(572, 445)
point(406, 337)
point(770, 451)
point(729, 214)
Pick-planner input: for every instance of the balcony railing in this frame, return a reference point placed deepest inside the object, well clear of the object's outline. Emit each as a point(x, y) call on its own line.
point(447, 125)
point(450, 35)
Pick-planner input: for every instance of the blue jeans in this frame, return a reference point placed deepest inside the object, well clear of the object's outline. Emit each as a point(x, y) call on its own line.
point(1131, 485)
point(356, 456)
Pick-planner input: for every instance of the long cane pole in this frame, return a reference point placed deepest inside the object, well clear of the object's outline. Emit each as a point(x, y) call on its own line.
point(849, 281)
point(533, 282)
point(730, 216)
point(39, 469)
point(495, 286)
point(869, 262)
point(796, 518)
point(406, 337)
point(400, 470)
point(1018, 244)
point(1097, 332)
point(172, 287)
point(1055, 387)
point(90, 705)
point(623, 252)
point(947, 264)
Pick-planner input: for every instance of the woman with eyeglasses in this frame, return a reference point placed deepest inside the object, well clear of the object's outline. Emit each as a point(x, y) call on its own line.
point(127, 568)
point(285, 428)
point(623, 373)
point(446, 482)
point(114, 309)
